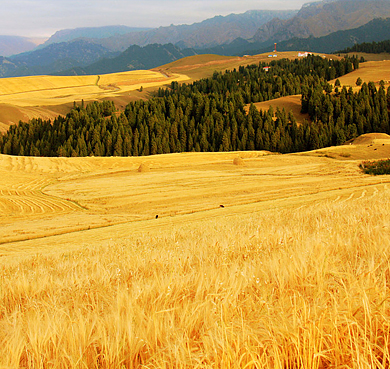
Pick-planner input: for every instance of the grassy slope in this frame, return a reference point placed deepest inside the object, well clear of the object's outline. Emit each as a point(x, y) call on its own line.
point(43, 96)
point(293, 267)
point(44, 197)
point(202, 66)
point(291, 271)
point(289, 103)
point(372, 71)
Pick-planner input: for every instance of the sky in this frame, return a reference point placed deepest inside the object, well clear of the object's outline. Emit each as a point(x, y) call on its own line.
point(42, 18)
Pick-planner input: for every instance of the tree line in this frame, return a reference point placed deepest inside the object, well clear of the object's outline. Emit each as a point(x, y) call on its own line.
point(210, 115)
point(369, 47)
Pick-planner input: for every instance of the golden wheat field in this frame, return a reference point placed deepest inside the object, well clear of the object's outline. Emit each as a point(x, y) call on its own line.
point(255, 260)
point(24, 98)
point(192, 260)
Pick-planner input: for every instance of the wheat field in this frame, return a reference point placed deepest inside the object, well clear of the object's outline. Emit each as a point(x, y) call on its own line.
point(192, 260)
point(281, 261)
point(24, 98)
point(56, 90)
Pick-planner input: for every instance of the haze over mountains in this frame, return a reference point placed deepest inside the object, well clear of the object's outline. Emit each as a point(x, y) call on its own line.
point(322, 18)
point(102, 50)
point(10, 45)
point(376, 30)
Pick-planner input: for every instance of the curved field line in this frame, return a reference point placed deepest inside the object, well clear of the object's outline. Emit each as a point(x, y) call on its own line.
point(39, 206)
point(3, 205)
point(362, 195)
point(376, 191)
point(337, 198)
point(17, 205)
point(60, 203)
point(35, 202)
point(349, 198)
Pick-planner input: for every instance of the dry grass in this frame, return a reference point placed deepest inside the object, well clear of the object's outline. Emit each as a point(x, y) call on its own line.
point(371, 71)
point(12, 114)
point(91, 198)
point(292, 288)
point(51, 90)
point(292, 272)
point(203, 66)
point(24, 98)
point(370, 57)
point(288, 103)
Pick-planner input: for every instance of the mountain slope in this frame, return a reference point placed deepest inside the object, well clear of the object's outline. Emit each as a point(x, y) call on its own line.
point(134, 58)
point(52, 59)
point(375, 30)
point(320, 19)
point(209, 33)
point(67, 35)
point(10, 45)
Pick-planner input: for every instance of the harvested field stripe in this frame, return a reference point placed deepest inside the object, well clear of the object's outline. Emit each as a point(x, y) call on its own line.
point(362, 195)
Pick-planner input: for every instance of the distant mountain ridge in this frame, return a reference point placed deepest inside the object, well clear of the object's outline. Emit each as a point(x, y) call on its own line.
point(322, 18)
point(134, 58)
point(67, 35)
point(208, 33)
point(100, 55)
point(375, 30)
point(53, 58)
point(11, 45)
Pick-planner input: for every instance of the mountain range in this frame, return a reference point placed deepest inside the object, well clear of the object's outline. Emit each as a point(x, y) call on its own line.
point(323, 26)
point(210, 32)
point(10, 45)
point(376, 30)
point(322, 18)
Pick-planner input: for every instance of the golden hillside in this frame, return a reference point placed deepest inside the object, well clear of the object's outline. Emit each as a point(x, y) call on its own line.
point(260, 262)
point(24, 98)
point(192, 260)
point(46, 97)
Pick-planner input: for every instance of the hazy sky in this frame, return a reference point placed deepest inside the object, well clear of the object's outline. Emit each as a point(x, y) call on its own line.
point(45, 17)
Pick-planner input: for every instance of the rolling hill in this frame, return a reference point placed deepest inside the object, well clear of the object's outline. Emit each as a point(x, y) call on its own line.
point(45, 97)
point(280, 258)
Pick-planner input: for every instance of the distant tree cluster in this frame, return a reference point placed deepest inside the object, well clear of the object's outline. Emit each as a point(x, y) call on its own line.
point(207, 115)
point(369, 47)
point(345, 115)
